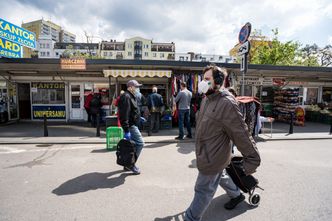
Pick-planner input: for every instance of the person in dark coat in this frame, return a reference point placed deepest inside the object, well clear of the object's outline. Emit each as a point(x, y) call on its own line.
point(95, 108)
point(155, 104)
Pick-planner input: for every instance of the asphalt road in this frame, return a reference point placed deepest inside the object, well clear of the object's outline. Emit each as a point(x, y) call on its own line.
point(82, 182)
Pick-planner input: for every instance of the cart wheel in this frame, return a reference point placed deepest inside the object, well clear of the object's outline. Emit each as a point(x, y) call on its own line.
point(254, 199)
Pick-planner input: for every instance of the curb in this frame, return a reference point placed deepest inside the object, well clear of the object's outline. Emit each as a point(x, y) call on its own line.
point(162, 141)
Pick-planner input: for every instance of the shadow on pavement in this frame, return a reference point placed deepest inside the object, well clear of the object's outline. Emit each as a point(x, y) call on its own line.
point(104, 150)
point(91, 181)
point(156, 145)
point(216, 211)
point(185, 148)
point(177, 217)
point(193, 164)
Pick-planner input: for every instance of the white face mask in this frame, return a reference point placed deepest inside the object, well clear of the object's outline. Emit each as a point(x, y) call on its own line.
point(137, 91)
point(204, 86)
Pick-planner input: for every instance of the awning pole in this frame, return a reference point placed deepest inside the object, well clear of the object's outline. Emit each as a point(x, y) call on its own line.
point(109, 95)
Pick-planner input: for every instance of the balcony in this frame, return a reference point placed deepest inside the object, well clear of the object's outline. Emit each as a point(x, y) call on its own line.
point(138, 56)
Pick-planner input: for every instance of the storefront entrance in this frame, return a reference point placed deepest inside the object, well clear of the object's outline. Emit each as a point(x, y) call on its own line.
point(76, 101)
point(24, 100)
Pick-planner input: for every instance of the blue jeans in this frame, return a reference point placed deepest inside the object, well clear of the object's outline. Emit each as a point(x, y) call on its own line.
point(184, 118)
point(136, 136)
point(205, 188)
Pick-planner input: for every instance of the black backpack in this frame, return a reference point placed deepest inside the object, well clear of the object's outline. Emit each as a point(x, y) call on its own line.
point(126, 153)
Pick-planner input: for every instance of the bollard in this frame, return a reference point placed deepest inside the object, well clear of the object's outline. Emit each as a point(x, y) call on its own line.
point(291, 123)
point(45, 127)
point(98, 126)
point(331, 127)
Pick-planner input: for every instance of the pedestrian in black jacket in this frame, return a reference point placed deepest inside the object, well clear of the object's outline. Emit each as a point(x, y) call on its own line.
point(95, 108)
point(129, 115)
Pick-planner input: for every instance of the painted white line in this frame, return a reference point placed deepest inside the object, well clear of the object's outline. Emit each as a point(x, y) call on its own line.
point(13, 150)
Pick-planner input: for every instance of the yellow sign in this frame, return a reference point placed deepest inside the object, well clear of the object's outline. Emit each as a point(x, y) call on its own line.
point(47, 85)
point(50, 112)
point(73, 63)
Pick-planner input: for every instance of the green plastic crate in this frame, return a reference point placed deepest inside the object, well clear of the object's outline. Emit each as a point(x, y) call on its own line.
point(113, 136)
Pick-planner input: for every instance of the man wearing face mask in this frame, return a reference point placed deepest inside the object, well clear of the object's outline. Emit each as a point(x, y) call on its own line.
point(219, 122)
point(129, 115)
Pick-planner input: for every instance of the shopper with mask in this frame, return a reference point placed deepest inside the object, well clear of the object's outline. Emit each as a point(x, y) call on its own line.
point(129, 115)
point(219, 122)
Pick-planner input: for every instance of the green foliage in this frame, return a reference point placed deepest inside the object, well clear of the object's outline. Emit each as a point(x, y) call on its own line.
point(70, 52)
point(289, 53)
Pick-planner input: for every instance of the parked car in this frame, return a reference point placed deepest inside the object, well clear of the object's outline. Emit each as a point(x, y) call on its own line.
point(3, 113)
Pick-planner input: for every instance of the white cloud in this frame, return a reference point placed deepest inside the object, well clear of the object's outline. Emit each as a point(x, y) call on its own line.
point(210, 26)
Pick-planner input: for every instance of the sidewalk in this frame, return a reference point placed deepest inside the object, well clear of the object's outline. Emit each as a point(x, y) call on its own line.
point(81, 133)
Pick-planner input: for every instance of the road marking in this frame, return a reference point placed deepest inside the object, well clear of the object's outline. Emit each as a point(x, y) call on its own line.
point(12, 150)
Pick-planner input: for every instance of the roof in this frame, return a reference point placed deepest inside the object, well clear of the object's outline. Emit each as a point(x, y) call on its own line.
point(98, 65)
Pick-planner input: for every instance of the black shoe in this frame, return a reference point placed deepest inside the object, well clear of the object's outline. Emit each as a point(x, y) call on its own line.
point(189, 136)
point(178, 138)
point(233, 202)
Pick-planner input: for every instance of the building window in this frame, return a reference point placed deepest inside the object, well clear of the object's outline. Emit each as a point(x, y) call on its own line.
point(105, 54)
point(181, 58)
point(48, 54)
point(146, 54)
point(48, 93)
point(56, 53)
point(220, 58)
point(47, 45)
point(110, 54)
point(154, 55)
point(147, 46)
point(162, 55)
point(130, 53)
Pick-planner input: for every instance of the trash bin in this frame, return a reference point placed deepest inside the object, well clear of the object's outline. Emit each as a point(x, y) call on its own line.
point(111, 121)
point(113, 136)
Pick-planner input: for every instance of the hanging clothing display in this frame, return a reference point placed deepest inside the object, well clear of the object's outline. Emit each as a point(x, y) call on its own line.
point(249, 107)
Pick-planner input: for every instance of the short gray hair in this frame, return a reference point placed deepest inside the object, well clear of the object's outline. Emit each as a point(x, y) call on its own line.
point(154, 89)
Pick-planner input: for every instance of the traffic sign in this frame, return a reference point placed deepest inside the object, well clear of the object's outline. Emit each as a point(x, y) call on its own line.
point(244, 63)
point(245, 33)
point(244, 48)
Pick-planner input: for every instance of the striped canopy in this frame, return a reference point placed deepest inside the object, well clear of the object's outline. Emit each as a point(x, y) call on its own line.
point(137, 73)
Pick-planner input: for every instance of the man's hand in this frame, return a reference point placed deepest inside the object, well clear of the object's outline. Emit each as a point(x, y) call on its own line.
point(127, 136)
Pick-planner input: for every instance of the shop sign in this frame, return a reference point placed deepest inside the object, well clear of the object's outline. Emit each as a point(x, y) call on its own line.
point(252, 81)
point(34, 90)
point(278, 82)
point(47, 85)
point(73, 63)
point(51, 112)
point(267, 81)
point(297, 83)
point(17, 34)
point(10, 49)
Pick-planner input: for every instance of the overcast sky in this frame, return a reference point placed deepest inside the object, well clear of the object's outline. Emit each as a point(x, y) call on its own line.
point(201, 26)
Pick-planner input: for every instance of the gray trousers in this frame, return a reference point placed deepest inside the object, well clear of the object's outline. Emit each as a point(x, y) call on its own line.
point(205, 188)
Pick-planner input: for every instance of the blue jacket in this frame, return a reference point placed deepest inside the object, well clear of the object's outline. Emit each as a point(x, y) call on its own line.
point(155, 102)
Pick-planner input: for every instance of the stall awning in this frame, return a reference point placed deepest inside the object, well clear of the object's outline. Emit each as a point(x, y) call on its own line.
point(137, 73)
